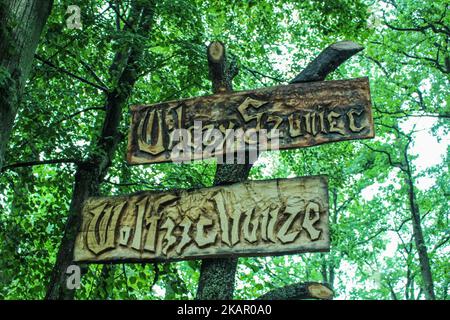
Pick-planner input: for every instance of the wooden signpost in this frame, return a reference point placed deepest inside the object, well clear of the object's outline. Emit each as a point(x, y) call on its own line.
point(251, 218)
point(305, 114)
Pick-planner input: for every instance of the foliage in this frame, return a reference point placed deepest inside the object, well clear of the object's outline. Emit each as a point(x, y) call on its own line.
point(373, 255)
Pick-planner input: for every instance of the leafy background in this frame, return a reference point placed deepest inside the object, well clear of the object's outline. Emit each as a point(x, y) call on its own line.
point(373, 254)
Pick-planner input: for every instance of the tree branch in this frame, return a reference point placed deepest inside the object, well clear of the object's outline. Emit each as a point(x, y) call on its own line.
point(39, 58)
point(391, 162)
point(402, 224)
point(344, 204)
point(37, 163)
point(300, 291)
point(126, 280)
point(120, 17)
point(256, 73)
point(78, 112)
point(378, 63)
point(328, 61)
point(376, 234)
point(391, 289)
point(156, 276)
point(440, 244)
point(421, 29)
point(152, 186)
point(93, 74)
point(435, 62)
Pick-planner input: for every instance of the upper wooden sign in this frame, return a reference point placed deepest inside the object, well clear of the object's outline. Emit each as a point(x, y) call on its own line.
point(305, 114)
point(251, 218)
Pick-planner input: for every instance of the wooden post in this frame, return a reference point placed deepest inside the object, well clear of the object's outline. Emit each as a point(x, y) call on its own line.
point(217, 276)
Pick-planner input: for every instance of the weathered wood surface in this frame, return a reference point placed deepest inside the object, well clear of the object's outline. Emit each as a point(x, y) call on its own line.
point(251, 218)
point(306, 114)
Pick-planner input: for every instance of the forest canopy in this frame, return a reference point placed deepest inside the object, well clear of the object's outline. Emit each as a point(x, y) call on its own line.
point(70, 70)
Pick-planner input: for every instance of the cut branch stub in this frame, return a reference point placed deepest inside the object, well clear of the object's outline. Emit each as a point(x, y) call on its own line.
point(300, 291)
point(217, 67)
point(320, 291)
point(216, 52)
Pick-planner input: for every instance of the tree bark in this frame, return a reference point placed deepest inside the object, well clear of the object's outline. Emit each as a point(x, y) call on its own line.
point(21, 25)
point(424, 260)
point(300, 291)
point(91, 172)
point(217, 276)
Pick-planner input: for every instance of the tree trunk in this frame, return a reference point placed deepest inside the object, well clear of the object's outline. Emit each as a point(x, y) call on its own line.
point(328, 263)
point(217, 276)
point(425, 268)
point(21, 24)
point(90, 173)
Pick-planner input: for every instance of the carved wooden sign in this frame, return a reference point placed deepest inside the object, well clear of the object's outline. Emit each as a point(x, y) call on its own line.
point(305, 114)
point(252, 218)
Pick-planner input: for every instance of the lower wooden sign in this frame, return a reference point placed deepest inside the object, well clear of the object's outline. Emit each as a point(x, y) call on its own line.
point(251, 218)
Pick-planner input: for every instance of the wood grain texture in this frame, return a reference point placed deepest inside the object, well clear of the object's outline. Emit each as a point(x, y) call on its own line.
point(306, 114)
point(252, 218)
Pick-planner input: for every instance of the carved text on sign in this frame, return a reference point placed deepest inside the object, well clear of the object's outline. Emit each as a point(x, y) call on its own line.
point(249, 218)
point(297, 115)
